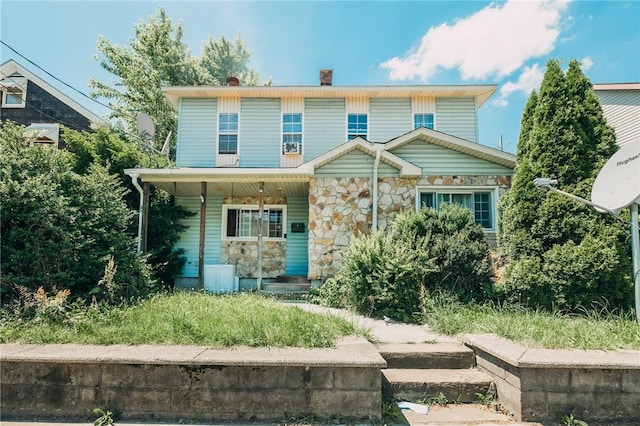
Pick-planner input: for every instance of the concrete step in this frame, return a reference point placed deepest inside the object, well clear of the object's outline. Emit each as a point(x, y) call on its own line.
point(419, 385)
point(462, 415)
point(427, 355)
point(285, 288)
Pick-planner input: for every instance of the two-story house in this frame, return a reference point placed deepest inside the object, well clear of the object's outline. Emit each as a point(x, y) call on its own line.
point(29, 100)
point(282, 178)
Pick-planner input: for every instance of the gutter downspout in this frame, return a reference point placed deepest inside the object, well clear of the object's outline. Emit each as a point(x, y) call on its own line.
point(374, 198)
point(134, 180)
point(260, 214)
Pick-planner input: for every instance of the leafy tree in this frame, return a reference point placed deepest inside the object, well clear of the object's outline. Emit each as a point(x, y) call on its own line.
point(564, 136)
point(60, 229)
point(156, 56)
point(222, 58)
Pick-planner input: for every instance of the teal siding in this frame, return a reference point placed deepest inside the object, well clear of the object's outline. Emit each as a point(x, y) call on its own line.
point(259, 133)
point(355, 164)
point(457, 117)
point(189, 240)
point(197, 130)
point(389, 118)
point(436, 160)
point(297, 243)
point(325, 126)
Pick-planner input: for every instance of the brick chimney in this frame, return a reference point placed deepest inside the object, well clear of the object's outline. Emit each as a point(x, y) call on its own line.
point(326, 77)
point(233, 81)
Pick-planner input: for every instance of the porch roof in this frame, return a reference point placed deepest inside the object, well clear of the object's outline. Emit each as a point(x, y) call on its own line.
point(228, 182)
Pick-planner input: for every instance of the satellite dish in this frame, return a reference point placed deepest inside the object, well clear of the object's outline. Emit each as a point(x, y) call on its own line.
point(618, 183)
point(165, 147)
point(146, 128)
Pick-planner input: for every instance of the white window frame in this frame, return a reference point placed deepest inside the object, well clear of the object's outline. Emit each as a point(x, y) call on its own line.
point(227, 133)
point(22, 95)
point(494, 190)
point(283, 133)
point(267, 207)
point(366, 135)
point(433, 119)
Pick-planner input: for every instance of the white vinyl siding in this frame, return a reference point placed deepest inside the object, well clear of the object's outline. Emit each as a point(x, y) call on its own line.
point(355, 164)
point(325, 122)
point(389, 118)
point(197, 133)
point(260, 130)
point(621, 108)
point(437, 160)
point(457, 117)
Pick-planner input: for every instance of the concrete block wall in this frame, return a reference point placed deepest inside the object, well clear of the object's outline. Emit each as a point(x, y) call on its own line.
point(542, 385)
point(196, 384)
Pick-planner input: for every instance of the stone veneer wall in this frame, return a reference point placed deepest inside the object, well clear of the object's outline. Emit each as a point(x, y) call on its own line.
point(340, 210)
point(244, 254)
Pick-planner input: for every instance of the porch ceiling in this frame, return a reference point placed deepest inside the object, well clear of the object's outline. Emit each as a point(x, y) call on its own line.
point(227, 182)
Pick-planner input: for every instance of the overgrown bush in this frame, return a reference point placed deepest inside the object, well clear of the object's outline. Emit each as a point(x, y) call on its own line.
point(59, 229)
point(389, 274)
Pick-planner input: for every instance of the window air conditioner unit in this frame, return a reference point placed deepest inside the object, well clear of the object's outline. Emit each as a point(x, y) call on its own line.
point(291, 148)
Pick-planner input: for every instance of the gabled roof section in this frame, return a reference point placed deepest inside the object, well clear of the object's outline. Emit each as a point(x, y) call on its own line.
point(369, 148)
point(12, 67)
point(481, 92)
point(454, 143)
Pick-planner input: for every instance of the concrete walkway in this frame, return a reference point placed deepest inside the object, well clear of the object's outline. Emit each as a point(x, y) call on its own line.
point(384, 331)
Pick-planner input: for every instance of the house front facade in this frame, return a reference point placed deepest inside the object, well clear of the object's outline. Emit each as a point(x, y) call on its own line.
point(281, 179)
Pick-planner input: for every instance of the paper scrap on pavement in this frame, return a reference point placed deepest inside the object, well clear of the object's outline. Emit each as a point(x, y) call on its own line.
point(418, 408)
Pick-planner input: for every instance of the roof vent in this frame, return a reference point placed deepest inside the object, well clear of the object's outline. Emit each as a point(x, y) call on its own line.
point(233, 81)
point(326, 77)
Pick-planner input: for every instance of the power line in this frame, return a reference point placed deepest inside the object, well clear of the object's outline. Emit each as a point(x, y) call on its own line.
point(62, 82)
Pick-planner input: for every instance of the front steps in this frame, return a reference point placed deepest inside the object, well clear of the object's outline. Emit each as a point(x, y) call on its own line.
point(420, 372)
point(442, 376)
point(288, 288)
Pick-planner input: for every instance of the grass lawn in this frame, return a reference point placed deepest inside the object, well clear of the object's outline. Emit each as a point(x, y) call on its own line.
point(189, 318)
point(596, 329)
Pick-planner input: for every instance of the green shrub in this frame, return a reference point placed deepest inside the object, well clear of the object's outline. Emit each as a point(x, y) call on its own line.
point(388, 274)
point(571, 276)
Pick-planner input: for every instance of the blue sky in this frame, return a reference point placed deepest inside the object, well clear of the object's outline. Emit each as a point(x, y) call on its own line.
point(365, 43)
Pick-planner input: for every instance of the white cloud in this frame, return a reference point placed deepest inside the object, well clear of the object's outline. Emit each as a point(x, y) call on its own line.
point(586, 63)
point(529, 80)
point(495, 41)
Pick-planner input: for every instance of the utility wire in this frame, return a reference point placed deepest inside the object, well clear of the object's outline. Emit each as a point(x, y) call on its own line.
point(66, 84)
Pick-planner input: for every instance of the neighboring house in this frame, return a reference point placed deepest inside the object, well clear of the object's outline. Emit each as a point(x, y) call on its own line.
point(621, 107)
point(325, 164)
point(29, 100)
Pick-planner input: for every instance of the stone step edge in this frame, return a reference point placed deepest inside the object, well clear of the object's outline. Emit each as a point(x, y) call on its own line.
point(427, 356)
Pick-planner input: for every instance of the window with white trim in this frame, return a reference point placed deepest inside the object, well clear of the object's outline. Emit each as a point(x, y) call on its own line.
point(479, 202)
point(13, 98)
point(228, 133)
point(243, 222)
point(291, 133)
point(423, 120)
point(357, 125)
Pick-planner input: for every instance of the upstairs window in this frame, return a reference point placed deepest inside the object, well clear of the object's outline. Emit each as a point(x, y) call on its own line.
point(291, 133)
point(244, 222)
point(480, 203)
point(13, 91)
point(228, 133)
point(356, 126)
point(423, 120)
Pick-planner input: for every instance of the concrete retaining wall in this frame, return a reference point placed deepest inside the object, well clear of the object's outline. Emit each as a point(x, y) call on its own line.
point(191, 383)
point(542, 385)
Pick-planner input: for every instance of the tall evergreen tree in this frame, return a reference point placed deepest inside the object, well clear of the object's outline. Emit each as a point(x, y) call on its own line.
point(564, 136)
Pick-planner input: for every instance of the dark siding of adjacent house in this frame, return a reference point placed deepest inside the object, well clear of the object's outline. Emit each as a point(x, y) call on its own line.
point(43, 107)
